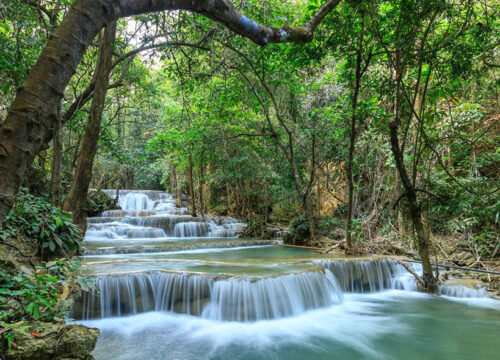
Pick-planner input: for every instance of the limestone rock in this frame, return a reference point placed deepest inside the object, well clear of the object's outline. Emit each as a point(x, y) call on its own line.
point(47, 341)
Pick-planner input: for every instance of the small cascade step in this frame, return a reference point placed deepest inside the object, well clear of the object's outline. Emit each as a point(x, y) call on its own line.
point(369, 276)
point(211, 297)
point(177, 226)
point(169, 246)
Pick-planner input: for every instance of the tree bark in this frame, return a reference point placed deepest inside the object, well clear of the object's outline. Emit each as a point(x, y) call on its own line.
point(55, 181)
point(189, 172)
point(76, 201)
point(173, 179)
point(28, 127)
point(201, 185)
point(179, 193)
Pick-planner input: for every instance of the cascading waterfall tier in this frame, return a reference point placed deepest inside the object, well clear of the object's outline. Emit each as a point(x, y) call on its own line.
point(272, 297)
point(165, 247)
point(176, 226)
point(216, 298)
point(142, 292)
point(372, 275)
point(156, 211)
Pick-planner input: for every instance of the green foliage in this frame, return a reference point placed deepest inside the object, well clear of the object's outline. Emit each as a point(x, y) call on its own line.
point(99, 202)
point(470, 214)
point(41, 294)
point(33, 219)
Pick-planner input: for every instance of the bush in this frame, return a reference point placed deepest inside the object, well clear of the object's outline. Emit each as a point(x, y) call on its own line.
point(42, 294)
point(299, 229)
point(34, 220)
point(99, 202)
point(474, 215)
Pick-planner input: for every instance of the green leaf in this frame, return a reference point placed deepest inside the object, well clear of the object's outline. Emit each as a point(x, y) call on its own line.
point(52, 246)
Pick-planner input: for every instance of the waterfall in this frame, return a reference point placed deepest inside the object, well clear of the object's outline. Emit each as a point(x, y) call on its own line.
point(273, 297)
point(150, 256)
point(369, 275)
point(142, 292)
point(135, 201)
point(232, 299)
point(178, 226)
point(191, 229)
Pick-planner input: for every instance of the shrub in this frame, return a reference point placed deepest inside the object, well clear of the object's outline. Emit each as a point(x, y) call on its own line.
point(33, 219)
point(99, 202)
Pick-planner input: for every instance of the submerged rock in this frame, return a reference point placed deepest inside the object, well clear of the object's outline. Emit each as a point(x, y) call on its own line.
point(48, 341)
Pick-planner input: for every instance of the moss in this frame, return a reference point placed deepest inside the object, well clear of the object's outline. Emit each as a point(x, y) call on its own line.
point(46, 341)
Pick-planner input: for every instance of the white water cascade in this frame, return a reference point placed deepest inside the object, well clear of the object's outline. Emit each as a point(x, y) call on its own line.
point(153, 256)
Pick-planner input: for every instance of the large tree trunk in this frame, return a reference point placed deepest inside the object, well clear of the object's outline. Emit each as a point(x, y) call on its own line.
point(28, 127)
point(423, 242)
point(76, 201)
point(55, 181)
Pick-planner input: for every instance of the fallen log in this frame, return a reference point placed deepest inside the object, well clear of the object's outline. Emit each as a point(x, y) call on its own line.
point(459, 267)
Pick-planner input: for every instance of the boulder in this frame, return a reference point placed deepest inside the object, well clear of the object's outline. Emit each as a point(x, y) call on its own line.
point(49, 341)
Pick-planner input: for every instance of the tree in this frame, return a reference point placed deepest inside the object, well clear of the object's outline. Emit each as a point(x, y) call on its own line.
point(76, 200)
point(28, 126)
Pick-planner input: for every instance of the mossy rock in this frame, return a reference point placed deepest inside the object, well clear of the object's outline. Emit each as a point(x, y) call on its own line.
point(48, 341)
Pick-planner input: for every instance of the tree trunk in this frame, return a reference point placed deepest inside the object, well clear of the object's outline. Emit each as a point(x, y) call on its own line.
point(423, 242)
point(349, 164)
point(308, 212)
point(179, 193)
point(228, 198)
point(55, 181)
point(352, 136)
point(201, 185)
point(191, 187)
point(76, 201)
point(173, 179)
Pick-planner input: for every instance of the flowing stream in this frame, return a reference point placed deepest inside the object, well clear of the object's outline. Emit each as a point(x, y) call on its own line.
point(172, 286)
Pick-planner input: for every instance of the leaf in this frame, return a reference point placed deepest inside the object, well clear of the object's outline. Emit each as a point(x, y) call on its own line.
point(496, 250)
point(25, 270)
point(52, 246)
point(19, 292)
point(58, 241)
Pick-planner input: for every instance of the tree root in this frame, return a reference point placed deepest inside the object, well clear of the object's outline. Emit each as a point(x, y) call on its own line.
point(419, 279)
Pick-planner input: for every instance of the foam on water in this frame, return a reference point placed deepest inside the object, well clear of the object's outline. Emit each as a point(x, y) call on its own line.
point(354, 324)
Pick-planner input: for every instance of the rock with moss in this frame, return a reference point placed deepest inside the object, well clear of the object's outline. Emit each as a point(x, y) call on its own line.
point(48, 341)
